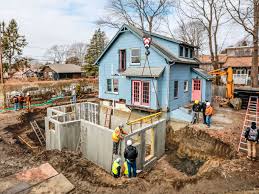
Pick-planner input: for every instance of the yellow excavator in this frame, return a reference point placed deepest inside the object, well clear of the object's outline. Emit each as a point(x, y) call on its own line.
point(228, 71)
point(230, 82)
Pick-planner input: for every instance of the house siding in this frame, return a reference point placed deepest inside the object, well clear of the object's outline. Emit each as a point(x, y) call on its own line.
point(109, 66)
point(205, 87)
point(180, 73)
point(169, 45)
point(163, 89)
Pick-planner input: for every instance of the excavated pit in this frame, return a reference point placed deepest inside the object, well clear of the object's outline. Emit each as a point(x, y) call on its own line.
point(189, 149)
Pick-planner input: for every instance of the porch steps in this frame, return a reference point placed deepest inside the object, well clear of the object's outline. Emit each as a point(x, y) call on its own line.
point(252, 115)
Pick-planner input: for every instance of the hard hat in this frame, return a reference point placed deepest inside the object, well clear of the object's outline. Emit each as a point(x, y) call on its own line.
point(118, 160)
point(196, 102)
point(129, 142)
point(121, 125)
point(208, 104)
point(28, 93)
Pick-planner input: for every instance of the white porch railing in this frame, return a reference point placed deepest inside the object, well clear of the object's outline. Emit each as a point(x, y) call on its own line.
point(239, 79)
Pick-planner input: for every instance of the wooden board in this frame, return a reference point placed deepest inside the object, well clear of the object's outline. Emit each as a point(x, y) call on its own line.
point(57, 184)
point(26, 179)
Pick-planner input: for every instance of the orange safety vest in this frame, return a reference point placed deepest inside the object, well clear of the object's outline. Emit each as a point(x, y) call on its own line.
point(116, 135)
point(209, 111)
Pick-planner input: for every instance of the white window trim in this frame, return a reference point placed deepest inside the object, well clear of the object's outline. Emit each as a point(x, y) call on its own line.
point(187, 86)
point(133, 64)
point(180, 51)
point(112, 86)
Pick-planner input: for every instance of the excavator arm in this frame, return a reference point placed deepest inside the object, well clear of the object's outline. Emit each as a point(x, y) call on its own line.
point(230, 84)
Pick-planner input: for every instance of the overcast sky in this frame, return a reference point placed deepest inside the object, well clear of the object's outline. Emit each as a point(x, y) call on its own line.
point(49, 22)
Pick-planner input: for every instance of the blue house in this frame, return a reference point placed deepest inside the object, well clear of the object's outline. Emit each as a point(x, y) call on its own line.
point(168, 79)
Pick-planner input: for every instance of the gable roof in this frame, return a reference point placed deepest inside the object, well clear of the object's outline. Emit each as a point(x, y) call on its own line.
point(28, 70)
point(155, 45)
point(65, 68)
point(202, 73)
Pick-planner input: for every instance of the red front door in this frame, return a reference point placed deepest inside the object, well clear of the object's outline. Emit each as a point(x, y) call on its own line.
point(136, 92)
point(196, 89)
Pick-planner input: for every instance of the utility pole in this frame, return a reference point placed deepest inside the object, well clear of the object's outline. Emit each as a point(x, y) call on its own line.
point(1, 54)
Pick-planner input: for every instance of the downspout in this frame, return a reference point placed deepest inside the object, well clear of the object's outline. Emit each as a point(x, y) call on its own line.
point(168, 89)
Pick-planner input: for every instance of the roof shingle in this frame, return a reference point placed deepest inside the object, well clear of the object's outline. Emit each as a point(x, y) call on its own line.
point(65, 68)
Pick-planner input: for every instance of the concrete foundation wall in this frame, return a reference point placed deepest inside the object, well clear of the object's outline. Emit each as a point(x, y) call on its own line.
point(97, 144)
point(159, 128)
point(52, 134)
point(96, 141)
point(70, 134)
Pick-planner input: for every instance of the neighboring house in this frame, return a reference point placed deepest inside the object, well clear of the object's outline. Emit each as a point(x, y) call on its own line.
point(168, 80)
point(61, 71)
point(239, 58)
point(206, 62)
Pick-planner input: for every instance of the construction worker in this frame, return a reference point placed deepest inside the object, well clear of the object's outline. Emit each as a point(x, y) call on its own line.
point(73, 95)
point(131, 154)
point(28, 101)
point(252, 135)
point(203, 109)
point(16, 102)
point(125, 169)
point(117, 136)
point(116, 168)
point(208, 113)
point(21, 101)
point(196, 108)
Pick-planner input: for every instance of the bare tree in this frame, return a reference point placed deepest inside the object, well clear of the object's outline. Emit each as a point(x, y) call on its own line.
point(58, 53)
point(144, 14)
point(191, 31)
point(78, 50)
point(246, 14)
point(208, 13)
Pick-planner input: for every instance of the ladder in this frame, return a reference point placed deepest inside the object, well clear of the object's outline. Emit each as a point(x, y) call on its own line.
point(252, 115)
point(38, 132)
point(108, 114)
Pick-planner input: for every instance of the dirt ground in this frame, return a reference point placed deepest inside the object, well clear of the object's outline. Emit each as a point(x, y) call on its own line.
point(197, 159)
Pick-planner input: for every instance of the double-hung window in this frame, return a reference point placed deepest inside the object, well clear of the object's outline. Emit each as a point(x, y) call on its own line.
point(112, 85)
point(176, 89)
point(135, 56)
point(186, 53)
point(122, 60)
point(186, 86)
point(181, 51)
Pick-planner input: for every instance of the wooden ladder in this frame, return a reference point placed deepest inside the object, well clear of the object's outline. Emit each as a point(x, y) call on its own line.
point(38, 132)
point(251, 116)
point(108, 114)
